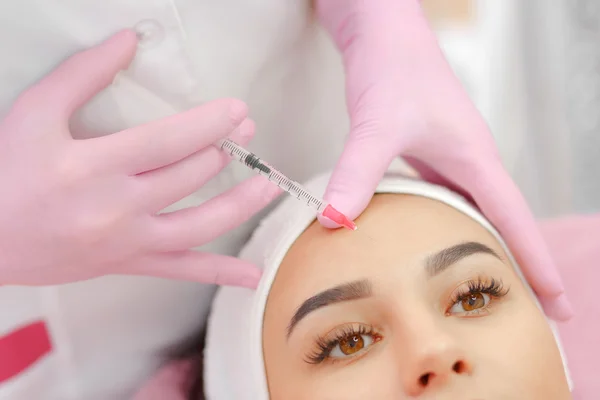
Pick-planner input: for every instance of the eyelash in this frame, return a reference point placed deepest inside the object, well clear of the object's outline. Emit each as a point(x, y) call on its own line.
point(326, 345)
point(492, 287)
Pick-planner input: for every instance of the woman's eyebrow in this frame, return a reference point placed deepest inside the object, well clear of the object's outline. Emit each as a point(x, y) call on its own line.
point(442, 260)
point(361, 289)
point(348, 291)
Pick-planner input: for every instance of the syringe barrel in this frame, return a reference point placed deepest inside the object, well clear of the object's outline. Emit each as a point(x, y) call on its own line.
point(259, 166)
point(294, 189)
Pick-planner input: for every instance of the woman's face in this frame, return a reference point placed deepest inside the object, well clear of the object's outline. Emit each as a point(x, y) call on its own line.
point(420, 302)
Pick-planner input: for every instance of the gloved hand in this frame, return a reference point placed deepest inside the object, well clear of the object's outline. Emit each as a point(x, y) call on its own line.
point(77, 209)
point(404, 100)
point(574, 242)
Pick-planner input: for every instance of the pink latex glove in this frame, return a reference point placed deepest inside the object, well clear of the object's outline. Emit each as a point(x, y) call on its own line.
point(77, 209)
point(404, 100)
point(575, 245)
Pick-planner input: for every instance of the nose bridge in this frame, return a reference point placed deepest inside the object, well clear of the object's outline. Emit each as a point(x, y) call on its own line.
point(430, 336)
point(428, 352)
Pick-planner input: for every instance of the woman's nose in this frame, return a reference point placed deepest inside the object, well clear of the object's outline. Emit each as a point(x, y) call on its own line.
point(432, 363)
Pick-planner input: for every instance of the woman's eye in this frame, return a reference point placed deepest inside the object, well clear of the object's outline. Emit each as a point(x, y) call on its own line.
point(351, 345)
point(471, 302)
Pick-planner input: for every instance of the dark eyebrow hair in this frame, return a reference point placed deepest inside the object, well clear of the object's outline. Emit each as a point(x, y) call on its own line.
point(434, 265)
point(345, 292)
point(442, 260)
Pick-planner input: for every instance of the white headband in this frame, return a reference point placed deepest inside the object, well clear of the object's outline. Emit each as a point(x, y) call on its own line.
point(233, 356)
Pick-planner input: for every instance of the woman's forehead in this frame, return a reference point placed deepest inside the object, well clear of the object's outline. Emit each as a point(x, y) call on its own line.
point(396, 230)
point(398, 226)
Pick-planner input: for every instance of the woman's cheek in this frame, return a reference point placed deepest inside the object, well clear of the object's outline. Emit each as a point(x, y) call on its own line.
point(366, 383)
point(539, 369)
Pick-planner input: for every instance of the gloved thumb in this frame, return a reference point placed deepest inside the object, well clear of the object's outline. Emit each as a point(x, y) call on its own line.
point(81, 76)
point(364, 161)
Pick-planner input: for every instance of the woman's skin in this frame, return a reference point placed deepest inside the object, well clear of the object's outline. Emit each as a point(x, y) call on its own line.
point(404, 333)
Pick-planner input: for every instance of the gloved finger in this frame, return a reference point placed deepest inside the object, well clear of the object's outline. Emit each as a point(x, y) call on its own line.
point(573, 225)
point(363, 162)
point(168, 140)
point(162, 187)
point(574, 245)
point(558, 308)
point(499, 199)
point(197, 266)
point(80, 77)
point(191, 227)
point(506, 208)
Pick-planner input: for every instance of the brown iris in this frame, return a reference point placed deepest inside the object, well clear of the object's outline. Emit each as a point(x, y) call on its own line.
point(473, 302)
point(352, 344)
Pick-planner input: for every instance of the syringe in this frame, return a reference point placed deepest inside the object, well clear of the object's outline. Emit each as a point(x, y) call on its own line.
point(251, 161)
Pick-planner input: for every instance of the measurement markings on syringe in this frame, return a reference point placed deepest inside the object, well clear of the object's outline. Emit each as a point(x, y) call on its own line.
point(313, 199)
point(292, 188)
point(276, 178)
point(309, 198)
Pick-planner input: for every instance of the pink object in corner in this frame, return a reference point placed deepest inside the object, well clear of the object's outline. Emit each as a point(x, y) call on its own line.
point(575, 246)
point(404, 100)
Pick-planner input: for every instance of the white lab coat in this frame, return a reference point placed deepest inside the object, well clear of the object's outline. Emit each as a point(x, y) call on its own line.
point(109, 334)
